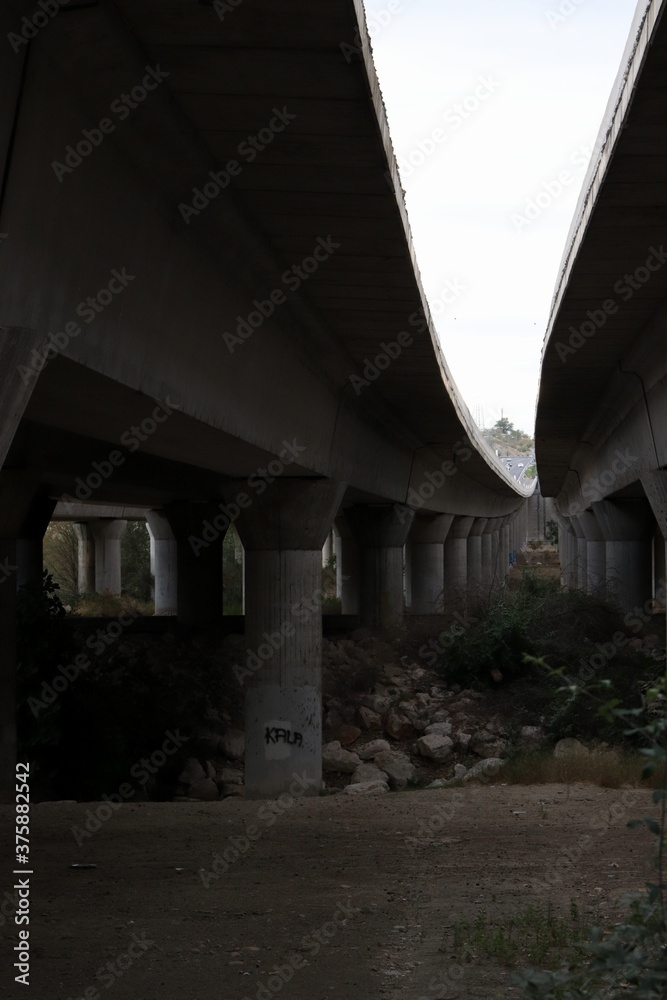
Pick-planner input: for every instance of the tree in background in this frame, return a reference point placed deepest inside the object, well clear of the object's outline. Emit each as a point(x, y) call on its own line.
point(61, 559)
point(135, 554)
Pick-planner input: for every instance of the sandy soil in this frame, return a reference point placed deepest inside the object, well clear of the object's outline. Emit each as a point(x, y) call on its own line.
point(329, 898)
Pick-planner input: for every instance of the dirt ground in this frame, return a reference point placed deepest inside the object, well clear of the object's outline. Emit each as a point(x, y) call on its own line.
point(327, 898)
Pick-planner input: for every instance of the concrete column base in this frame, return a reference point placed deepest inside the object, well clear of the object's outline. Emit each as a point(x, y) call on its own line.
point(85, 557)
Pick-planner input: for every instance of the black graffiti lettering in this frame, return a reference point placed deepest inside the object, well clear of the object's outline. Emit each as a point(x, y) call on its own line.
point(277, 735)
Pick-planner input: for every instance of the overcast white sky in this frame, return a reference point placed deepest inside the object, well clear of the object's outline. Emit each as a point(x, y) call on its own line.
point(548, 77)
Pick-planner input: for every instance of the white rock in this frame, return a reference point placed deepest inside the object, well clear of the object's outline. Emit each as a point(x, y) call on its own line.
point(439, 728)
point(368, 772)
point(484, 769)
point(334, 758)
point(438, 748)
point(371, 749)
point(367, 788)
point(567, 747)
point(398, 767)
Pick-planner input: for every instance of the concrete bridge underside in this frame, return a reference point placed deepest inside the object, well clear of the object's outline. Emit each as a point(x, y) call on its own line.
point(211, 310)
point(601, 429)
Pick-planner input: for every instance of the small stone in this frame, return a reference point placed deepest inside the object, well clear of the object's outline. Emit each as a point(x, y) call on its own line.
point(483, 769)
point(439, 728)
point(231, 776)
point(435, 747)
point(371, 749)
point(569, 747)
point(369, 719)
point(398, 766)
point(368, 772)
point(335, 758)
point(232, 744)
point(397, 726)
point(347, 735)
point(367, 788)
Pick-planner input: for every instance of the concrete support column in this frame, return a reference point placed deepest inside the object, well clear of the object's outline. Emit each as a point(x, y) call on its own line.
point(659, 566)
point(567, 550)
point(380, 531)
point(655, 487)
point(475, 556)
point(426, 545)
point(456, 561)
point(487, 558)
point(165, 563)
point(582, 555)
point(627, 526)
point(107, 533)
point(347, 567)
point(85, 557)
point(283, 532)
point(596, 553)
point(30, 543)
point(505, 549)
point(199, 530)
point(327, 549)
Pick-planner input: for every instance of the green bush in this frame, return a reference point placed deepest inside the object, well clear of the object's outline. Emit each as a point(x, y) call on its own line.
point(629, 960)
point(570, 629)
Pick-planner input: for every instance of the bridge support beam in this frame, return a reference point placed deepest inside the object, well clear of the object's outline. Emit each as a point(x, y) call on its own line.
point(283, 532)
point(107, 534)
point(347, 567)
point(596, 553)
point(165, 563)
point(475, 556)
point(85, 563)
point(627, 527)
point(426, 544)
point(199, 530)
point(456, 561)
point(655, 487)
point(381, 531)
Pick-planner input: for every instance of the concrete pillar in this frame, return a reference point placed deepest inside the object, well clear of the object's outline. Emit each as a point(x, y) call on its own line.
point(239, 555)
point(567, 550)
point(659, 567)
point(85, 557)
point(16, 496)
point(165, 563)
point(283, 532)
point(487, 557)
point(426, 546)
point(107, 533)
point(655, 487)
point(456, 561)
point(199, 529)
point(347, 567)
point(327, 549)
point(627, 527)
point(582, 555)
point(505, 549)
point(30, 543)
point(596, 555)
point(380, 531)
point(475, 556)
